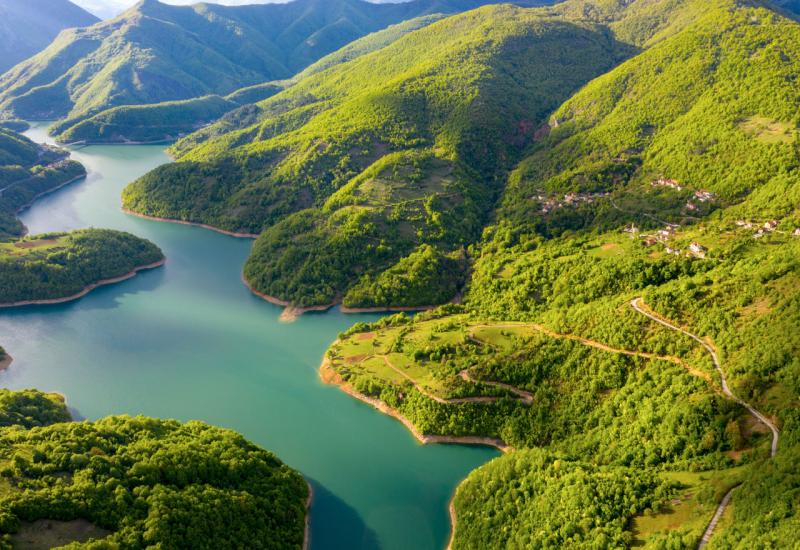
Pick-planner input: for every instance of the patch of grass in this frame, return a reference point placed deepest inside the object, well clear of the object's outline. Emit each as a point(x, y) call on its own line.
point(691, 508)
point(766, 130)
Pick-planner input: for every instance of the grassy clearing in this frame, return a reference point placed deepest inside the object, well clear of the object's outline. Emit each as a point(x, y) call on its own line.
point(33, 247)
point(769, 131)
point(692, 509)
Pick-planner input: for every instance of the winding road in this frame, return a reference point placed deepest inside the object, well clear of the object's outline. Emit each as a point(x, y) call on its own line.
point(638, 305)
point(525, 397)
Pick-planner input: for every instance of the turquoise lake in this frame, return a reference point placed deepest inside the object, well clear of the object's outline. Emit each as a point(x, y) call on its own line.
point(189, 341)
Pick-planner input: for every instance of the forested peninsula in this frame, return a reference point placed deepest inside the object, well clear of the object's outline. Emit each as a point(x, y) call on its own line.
point(28, 171)
point(59, 267)
point(138, 482)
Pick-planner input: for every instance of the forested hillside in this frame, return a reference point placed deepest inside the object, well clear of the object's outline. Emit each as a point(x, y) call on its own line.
point(139, 482)
point(61, 265)
point(158, 52)
point(28, 170)
point(352, 169)
point(29, 26)
point(171, 120)
point(643, 261)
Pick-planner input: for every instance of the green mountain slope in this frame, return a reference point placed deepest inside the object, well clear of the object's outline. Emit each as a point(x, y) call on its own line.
point(170, 120)
point(353, 168)
point(29, 26)
point(157, 52)
point(28, 170)
point(698, 130)
point(712, 108)
point(137, 482)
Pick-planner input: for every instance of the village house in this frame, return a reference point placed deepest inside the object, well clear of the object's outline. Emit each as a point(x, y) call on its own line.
point(704, 196)
point(650, 241)
point(697, 250)
point(665, 182)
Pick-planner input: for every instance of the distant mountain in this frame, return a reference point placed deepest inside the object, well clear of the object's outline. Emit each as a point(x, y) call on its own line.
point(157, 52)
point(169, 120)
point(29, 26)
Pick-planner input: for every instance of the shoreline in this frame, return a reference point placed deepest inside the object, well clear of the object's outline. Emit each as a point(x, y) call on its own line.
point(329, 376)
point(38, 196)
point(290, 313)
point(384, 309)
point(87, 289)
point(307, 531)
point(89, 143)
point(6, 361)
point(451, 508)
point(193, 224)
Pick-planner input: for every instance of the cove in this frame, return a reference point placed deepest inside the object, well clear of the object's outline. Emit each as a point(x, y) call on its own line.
point(189, 341)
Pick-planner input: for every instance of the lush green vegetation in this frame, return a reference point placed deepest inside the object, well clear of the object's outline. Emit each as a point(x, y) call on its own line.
point(160, 122)
point(28, 170)
point(30, 25)
point(352, 169)
point(157, 52)
point(634, 442)
point(31, 408)
point(171, 120)
point(58, 265)
point(140, 482)
point(528, 488)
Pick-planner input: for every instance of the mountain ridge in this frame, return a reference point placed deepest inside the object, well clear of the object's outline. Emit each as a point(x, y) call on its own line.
point(158, 52)
point(28, 26)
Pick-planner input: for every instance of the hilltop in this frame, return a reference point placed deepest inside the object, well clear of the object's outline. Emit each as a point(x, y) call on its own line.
point(168, 121)
point(398, 148)
point(157, 52)
point(29, 26)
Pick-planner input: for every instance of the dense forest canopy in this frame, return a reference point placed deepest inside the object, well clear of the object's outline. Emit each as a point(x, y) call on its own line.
point(59, 265)
point(140, 482)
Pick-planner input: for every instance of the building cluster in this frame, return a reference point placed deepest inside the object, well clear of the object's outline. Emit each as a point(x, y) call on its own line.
point(664, 236)
point(700, 196)
point(549, 204)
point(666, 182)
point(760, 229)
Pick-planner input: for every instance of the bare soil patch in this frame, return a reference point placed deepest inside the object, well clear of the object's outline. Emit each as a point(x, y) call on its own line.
point(44, 534)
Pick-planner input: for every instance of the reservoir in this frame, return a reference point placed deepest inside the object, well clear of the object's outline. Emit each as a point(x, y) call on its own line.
point(189, 341)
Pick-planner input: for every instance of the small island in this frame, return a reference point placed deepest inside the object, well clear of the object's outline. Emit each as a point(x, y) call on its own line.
point(60, 267)
point(136, 482)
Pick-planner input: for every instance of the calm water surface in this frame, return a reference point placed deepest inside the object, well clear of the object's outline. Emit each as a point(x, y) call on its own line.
point(188, 341)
